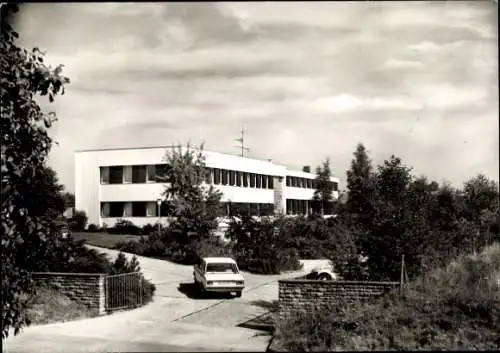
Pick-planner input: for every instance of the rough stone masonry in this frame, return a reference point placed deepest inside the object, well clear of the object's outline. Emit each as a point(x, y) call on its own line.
point(84, 288)
point(303, 295)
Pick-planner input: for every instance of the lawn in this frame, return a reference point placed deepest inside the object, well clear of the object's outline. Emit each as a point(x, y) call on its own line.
point(104, 240)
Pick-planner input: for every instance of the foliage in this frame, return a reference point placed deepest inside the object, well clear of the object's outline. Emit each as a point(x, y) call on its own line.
point(124, 226)
point(69, 200)
point(48, 305)
point(78, 222)
point(260, 246)
point(24, 149)
point(93, 228)
point(452, 308)
point(322, 202)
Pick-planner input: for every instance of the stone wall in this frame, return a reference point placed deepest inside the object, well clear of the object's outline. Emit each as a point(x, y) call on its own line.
point(302, 295)
point(84, 288)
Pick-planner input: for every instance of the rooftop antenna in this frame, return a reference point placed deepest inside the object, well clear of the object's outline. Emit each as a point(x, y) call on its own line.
point(241, 140)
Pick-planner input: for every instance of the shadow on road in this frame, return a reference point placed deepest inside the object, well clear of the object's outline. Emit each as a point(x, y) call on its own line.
point(192, 291)
point(272, 306)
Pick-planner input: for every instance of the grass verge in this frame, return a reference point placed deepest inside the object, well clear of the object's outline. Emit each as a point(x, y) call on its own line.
point(49, 306)
point(452, 308)
point(104, 240)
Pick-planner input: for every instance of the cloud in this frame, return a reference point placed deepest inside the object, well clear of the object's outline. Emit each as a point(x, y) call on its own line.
point(305, 80)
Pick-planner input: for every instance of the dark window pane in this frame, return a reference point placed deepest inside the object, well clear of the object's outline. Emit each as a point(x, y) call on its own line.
point(104, 175)
point(270, 182)
point(258, 181)
point(238, 178)
point(309, 183)
point(151, 171)
point(266, 209)
point(232, 177)
point(252, 180)
point(116, 175)
point(335, 186)
point(288, 181)
point(138, 174)
point(245, 179)
point(224, 177)
point(138, 209)
point(264, 181)
point(116, 209)
point(216, 176)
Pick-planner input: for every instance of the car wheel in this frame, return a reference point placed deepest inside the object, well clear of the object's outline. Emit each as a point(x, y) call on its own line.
point(238, 294)
point(325, 277)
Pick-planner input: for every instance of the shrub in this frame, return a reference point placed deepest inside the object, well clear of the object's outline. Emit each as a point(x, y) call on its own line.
point(78, 222)
point(452, 308)
point(148, 229)
point(93, 228)
point(124, 226)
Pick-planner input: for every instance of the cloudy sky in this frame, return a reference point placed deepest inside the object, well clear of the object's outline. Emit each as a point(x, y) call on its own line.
point(305, 80)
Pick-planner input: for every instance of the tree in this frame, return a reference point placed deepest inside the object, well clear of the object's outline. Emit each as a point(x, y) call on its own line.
point(69, 200)
point(194, 203)
point(322, 201)
point(481, 198)
point(360, 185)
point(27, 235)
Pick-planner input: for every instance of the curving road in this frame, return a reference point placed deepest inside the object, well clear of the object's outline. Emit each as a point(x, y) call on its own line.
point(175, 321)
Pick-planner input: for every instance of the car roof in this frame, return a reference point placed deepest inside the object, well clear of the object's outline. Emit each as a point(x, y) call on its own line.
point(219, 259)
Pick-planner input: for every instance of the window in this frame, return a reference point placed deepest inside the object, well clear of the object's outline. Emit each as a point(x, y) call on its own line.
point(151, 209)
point(252, 180)
point(245, 179)
point(309, 183)
point(270, 182)
point(208, 175)
point(293, 182)
point(151, 173)
point(224, 177)
point(104, 175)
point(264, 181)
point(216, 176)
point(254, 209)
point(258, 181)
point(238, 178)
point(232, 176)
point(127, 174)
point(266, 209)
point(301, 182)
point(127, 209)
point(161, 173)
point(288, 206)
point(288, 181)
point(139, 209)
point(138, 174)
point(314, 183)
point(335, 186)
point(104, 209)
point(116, 175)
point(116, 209)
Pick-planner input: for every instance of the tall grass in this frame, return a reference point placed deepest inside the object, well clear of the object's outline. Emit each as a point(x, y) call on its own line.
point(48, 306)
point(451, 308)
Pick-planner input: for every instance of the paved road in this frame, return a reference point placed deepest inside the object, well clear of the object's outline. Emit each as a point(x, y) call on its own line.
point(173, 322)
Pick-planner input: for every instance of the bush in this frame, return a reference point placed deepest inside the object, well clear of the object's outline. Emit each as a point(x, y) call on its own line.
point(124, 226)
point(148, 229)
point(452, 308)
point(93, 228)
point(78, 222)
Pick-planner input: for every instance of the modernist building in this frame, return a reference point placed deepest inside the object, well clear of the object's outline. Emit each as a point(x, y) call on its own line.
point(123, 184)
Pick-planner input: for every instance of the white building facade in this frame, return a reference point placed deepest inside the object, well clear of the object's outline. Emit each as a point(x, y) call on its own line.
point(122, 184)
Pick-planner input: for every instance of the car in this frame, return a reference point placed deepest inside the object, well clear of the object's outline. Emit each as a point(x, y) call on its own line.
point(323, 272)
point(218, 274)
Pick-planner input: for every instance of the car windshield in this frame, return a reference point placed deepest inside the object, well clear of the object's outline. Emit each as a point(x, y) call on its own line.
point(222, 267)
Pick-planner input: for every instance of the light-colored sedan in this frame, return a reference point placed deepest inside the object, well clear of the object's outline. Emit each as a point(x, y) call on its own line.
point(218, 274)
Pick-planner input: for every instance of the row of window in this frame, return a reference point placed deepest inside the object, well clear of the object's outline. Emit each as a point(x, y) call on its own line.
point(297, 182)
point(155, 173)
point(150, 209)
point(304, 207)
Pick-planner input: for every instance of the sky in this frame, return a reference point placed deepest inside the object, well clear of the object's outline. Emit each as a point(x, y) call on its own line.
point(306, 80)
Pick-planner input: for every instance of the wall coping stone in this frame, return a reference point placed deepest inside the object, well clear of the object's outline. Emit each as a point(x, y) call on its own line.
point(315, 281)
point(69, 274)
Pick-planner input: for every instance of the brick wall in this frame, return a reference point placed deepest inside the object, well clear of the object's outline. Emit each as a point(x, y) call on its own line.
point(301, 294)
point(84, 288)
